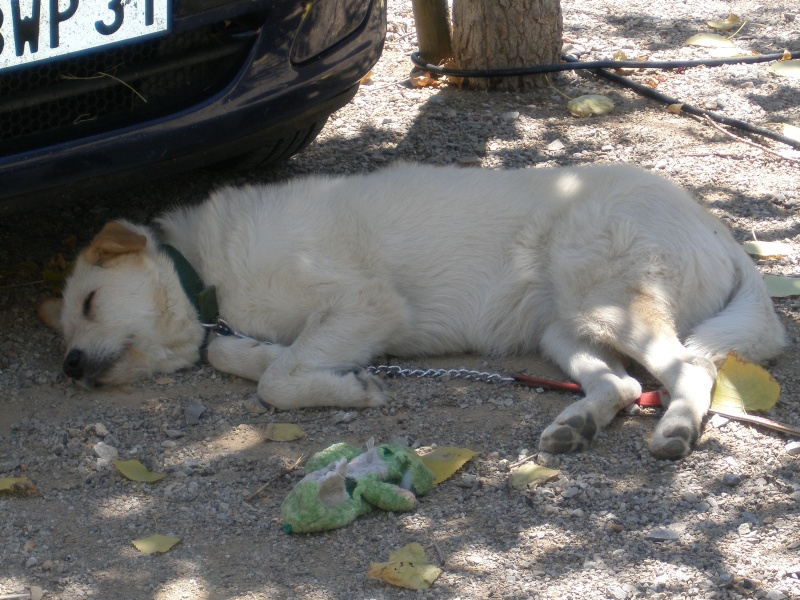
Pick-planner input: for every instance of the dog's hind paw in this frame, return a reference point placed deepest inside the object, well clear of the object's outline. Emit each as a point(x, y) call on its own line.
point(570, 434)
point(673, 443)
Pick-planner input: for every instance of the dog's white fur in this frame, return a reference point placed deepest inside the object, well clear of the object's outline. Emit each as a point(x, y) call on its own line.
point(588, 265)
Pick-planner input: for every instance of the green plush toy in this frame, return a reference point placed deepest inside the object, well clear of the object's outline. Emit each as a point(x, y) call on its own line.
point(343, 483)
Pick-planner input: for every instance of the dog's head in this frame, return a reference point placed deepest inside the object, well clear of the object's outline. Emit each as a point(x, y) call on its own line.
point(123, 314)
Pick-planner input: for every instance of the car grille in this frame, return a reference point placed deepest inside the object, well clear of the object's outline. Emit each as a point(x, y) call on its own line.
point(63, 100)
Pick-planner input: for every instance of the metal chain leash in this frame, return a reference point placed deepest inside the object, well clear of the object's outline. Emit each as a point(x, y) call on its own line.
point(440, 374)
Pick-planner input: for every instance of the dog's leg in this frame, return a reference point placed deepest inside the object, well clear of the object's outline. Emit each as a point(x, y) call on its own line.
point(324, 365)
point(607, 386)
point(644, 330)
point(244, 357)
point(689, 380)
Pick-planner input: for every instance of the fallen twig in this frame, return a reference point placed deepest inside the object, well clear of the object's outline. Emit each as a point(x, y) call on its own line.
point(746, 141)
point(271, 481)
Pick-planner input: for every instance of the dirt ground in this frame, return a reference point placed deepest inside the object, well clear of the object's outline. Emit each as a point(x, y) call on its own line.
point(615, 523)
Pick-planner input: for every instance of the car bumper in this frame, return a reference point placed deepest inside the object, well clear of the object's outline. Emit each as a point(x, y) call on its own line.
point(284, 84)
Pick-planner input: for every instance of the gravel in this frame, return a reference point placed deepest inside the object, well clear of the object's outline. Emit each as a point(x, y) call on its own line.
point(615, 523)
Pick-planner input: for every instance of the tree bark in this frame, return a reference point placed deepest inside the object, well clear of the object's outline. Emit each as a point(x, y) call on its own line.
point(433, 30)
point(497, 34)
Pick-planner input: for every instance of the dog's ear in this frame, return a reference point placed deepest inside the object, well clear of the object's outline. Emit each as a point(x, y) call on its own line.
point(113, 240)
point(50, 312)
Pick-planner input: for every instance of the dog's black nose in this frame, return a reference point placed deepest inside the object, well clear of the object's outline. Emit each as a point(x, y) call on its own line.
point(73, 366)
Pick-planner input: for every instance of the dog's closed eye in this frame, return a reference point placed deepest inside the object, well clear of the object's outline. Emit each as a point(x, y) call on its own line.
point(87, 305)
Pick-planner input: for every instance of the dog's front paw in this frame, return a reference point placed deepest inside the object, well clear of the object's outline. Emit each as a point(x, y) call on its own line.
point(673, 442)
point(568, 434)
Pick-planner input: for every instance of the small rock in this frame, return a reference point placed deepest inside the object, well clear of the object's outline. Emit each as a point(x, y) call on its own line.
point(717, 421)
point(731, 479)
point(174, 433)
point(662, 535)
point(343, 417)
point(570, 492)
point(510, 116)
point(775, 595)
point(254, 406)
point(555, 146)
point(105, 454)
point(193, 412)
point(793, 448)
point(101, 430)
point(31, 562)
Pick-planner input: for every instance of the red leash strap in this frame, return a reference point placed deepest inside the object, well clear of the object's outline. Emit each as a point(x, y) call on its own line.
point(647, 399)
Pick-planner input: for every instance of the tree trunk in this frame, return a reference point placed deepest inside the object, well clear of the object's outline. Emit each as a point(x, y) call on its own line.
point(501, 34)
point(433, 30)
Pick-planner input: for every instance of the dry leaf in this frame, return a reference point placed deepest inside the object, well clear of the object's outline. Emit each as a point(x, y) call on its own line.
point(743, 387)
point(786, 68)
point(17, 486)
point(709, 40)
point(590, 104)
point(283, 432)
point(407, 568)
point(675, 109)
point(156, 543)
point(531, 474)
point(366, 79)
point(767, 249)
point(450, 63)
point(732, 22)
point(445, 460)
point(420, 80)
point(782, 287)
point(136, 471)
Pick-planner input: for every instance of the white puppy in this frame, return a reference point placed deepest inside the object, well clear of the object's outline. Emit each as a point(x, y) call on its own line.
point(588, 265)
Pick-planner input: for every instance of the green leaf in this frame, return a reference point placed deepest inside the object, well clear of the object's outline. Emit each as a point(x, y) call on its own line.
point(786, 68)
point(709, 40)
point(767, 249)
point(782, 287)
point(283, 432)
point(136, 471)
point(590, 104)
point(156, 543)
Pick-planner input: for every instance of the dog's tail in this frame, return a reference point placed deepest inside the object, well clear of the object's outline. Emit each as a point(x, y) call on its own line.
point(747, 324)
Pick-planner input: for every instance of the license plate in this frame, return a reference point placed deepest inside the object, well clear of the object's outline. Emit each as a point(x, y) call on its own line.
point(35, 30)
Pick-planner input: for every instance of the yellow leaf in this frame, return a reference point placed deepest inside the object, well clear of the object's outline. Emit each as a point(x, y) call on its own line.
point(767, 249)
point(590, 104)
point(742, 387)
point(531, 474)
point(709, 40)
point(782, 287)
point(675, 109)
point(17, 486)
point(136, 471)
point(732, 22)
point(156, 543)
point(786, 68)
point(283, 432)
point(446, 460)
point(407, 568)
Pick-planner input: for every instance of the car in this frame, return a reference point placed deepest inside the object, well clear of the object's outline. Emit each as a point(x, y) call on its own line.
point(99, 94)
